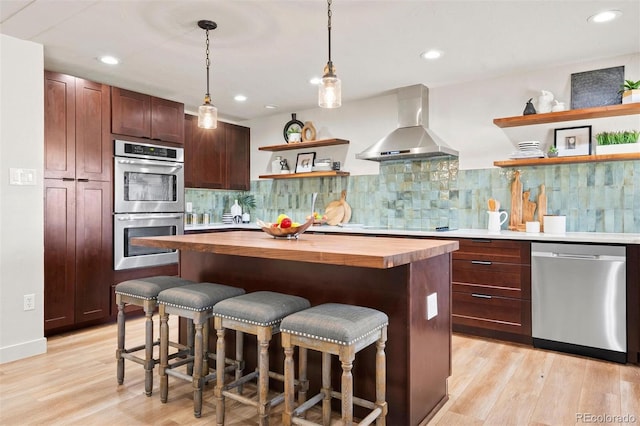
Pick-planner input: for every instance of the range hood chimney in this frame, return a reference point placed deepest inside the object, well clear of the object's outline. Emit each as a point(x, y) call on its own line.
point(412, 138)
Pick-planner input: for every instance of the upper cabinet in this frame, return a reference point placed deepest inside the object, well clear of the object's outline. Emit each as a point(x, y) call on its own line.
point(77, 130)
point(217, 158)
point(144, 116)
point(570, 115)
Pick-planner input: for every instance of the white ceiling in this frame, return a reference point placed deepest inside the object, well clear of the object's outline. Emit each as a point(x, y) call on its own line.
point(268, 50)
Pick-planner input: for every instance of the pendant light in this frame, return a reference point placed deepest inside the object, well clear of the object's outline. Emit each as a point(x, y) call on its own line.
point(330, 89)
point(207, 113)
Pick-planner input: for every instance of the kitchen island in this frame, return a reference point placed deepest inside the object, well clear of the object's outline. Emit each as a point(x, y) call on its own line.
point(394, 275)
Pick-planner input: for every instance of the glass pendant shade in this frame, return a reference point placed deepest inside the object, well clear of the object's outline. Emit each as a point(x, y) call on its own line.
point(330, 92)
point(207, 116)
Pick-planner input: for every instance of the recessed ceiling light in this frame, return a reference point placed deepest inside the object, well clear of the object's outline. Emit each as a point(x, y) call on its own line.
point(606, 16)
point(109, 60)
point(315, 81)
point(240, 98)
point(431, 54)
point(271, 106)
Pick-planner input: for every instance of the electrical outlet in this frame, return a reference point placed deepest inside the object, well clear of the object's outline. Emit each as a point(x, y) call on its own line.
point(432, 305)
point(29, 302)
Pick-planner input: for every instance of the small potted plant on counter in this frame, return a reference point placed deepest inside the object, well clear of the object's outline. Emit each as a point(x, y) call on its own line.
point(617, 142)
point(247, 202)
point(553, 152)
point(630, 91)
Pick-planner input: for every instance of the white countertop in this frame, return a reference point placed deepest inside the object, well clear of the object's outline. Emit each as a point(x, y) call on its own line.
point(569, 237)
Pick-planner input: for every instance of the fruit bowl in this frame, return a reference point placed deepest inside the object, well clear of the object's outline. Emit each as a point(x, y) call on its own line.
point(291, 232)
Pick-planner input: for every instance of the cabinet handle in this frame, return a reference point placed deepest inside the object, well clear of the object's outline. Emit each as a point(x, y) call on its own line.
point(481, 262)
point(83, 180)
point(68, 179)
point(476, 240)
point(480, 296)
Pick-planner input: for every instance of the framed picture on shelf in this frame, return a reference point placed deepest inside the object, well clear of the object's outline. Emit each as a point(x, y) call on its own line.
point(571, 141)
point(304, 164)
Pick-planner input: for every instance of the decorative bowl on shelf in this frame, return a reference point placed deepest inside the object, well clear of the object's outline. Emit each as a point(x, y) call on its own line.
point(276, 232)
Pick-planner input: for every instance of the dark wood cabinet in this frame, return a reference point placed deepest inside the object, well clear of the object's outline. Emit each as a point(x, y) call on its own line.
point(491, 288)
point(144, 116)
point(59, 126)
point(218, 158)
point(59, 253)
point(93, 250)
point(633, 304)
point(78, 202)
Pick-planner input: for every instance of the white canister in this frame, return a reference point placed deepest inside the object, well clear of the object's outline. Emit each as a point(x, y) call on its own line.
point(555, 224)
point(532, 227)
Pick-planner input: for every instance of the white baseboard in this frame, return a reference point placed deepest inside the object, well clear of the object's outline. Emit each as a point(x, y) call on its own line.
point(23, 350)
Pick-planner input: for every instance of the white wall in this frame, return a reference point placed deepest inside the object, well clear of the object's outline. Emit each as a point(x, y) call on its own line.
point(462, 115)
point(21, 207)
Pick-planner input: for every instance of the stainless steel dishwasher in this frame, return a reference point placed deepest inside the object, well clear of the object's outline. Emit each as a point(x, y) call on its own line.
point(578, 299)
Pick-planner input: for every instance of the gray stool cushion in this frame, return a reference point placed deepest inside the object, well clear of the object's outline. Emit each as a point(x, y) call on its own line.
point(149, 288)
point(263, 308)
point(335, 322)
point(197, 297)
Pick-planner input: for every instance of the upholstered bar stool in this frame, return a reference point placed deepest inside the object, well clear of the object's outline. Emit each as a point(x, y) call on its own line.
point(194, 302)
point(141, 292)
point(257, 313)
point(342, 330)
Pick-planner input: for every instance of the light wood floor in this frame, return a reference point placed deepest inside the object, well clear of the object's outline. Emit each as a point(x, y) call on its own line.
point(493, 383)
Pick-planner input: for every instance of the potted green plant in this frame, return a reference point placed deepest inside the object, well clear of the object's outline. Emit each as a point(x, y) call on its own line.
point(630, 91)
point(294, 133)
point(617, 142)
point(552, 152)
point(247, 202)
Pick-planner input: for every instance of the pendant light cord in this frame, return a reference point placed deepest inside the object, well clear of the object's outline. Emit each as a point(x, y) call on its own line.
point(330, 64)
point(207, 62)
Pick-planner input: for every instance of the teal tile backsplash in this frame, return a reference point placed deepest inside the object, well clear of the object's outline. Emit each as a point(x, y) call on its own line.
point(424, 194)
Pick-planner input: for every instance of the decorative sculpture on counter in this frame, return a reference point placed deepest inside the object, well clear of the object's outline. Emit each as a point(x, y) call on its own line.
point(529, 108)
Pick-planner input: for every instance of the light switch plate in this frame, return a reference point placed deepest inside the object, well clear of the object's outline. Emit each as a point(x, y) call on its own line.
point(432, 305)
point(22, 176)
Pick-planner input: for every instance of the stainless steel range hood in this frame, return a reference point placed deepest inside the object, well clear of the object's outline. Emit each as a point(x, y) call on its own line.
point(412, 138)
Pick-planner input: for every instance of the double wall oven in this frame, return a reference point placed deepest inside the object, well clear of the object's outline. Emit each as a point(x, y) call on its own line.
point(148, 201)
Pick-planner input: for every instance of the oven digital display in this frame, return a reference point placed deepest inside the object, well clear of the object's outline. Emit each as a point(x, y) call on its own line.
point(151, 151)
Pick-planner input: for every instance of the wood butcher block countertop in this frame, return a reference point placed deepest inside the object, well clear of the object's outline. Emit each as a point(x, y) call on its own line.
point(368, 252)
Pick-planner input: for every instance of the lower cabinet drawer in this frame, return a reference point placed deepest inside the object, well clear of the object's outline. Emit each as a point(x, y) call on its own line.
point(500, 279)
point(492, 312)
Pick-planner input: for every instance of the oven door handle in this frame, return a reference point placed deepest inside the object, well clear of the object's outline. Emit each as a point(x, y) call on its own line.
point(148, 163)
point(146, 217)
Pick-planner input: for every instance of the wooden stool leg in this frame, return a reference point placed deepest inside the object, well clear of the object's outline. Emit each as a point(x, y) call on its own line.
point(149, 307)
point(381, 378)
point(302, 375)
point(289, 385)
point(197, 370)
point(190, 332)
point(239, 358)
point(346, 358)
point(121, 332)
point(164, 353)
point(264, 337)
point(205, 348)
point(326, 388)
point(220, 355)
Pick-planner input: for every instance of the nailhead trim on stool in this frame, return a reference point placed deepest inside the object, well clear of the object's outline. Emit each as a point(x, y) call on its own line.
point(334, 329)
point(141, 292)
point(257, 313)
point(195, 302)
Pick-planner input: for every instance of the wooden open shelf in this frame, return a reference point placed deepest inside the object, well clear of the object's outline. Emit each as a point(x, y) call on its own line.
point(330, 173)
point(574, 114)
point(304, 145)
point(567, 160)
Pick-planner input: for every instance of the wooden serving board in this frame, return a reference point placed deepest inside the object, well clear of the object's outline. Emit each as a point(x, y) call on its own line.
point(516, 202)
point(542, 206)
